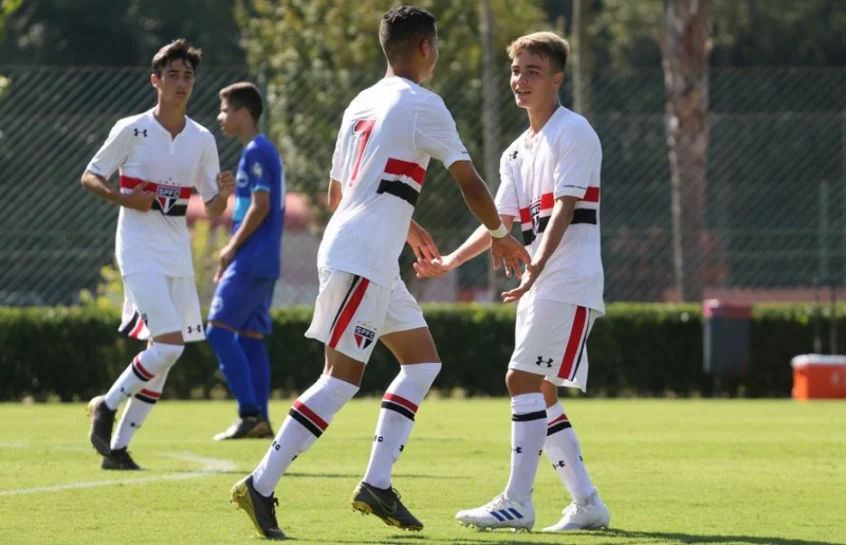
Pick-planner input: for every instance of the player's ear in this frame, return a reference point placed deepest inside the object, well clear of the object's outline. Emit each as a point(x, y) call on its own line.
point(558, 79)
point(426, 47)
point(154, 80)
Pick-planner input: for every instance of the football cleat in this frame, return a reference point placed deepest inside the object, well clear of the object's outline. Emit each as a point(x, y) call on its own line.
point(260, 509)
point(102, 422)
point(119, 459)
point(501, 512)
point(385, 504)
point(590, 514)
point(248, 427)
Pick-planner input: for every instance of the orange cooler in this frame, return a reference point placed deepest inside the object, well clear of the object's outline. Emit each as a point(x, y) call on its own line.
point(817, 376)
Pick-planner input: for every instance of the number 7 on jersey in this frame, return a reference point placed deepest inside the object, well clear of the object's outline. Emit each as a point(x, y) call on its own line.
point(361, 134)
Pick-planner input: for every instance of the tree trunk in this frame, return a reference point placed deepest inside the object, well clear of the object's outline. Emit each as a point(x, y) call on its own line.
point(490, 110)
point(580, 56)
point(686, 48)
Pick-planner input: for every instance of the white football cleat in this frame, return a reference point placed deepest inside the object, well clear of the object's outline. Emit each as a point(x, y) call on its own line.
point(590, 514)
point(501, 512)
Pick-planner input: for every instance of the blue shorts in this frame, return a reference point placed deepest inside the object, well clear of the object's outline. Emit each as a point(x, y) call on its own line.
point(242, 301)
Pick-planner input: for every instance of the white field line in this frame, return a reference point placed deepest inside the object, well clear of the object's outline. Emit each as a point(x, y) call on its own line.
point(209, 466)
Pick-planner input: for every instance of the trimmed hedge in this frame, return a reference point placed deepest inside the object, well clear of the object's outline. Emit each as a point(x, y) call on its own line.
point(649, 350)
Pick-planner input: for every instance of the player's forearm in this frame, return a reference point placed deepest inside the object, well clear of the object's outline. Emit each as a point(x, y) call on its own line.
point(252, 220)
point(216, 206)
point(562, 216)
point(477, 243)
point(96, 184)
point(481, 204)
point(335, 194)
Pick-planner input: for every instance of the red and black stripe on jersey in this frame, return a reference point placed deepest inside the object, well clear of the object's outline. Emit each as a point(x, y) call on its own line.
point(170, 200)
point(403, 179)
point(535, 218)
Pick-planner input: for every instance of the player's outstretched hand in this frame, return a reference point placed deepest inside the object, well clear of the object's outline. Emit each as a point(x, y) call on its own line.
point(139, 199)
point(510, 253)
point(225, 183)
point(526, 283)
point(422, 243)
point(434, 268)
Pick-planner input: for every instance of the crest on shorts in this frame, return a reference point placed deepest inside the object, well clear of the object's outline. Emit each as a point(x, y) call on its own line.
point(364, 337)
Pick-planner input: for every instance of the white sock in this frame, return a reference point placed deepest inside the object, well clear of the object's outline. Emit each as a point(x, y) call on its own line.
point(144, 367)
point(528, 432)
point(562, 448)
point(396, 418)
point(137, 410)
point(307, 420)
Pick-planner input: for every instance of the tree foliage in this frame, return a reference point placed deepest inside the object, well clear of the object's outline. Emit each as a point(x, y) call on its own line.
point(321, 53)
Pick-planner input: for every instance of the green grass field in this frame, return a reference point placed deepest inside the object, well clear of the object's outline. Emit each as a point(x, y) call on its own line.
point(721, 472)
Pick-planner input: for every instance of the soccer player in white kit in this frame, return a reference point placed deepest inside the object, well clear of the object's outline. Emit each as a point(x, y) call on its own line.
point(550, 181)
point(388, 134)
point(162, 155)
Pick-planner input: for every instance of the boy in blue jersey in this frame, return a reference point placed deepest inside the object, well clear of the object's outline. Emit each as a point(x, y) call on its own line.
point(249, 265)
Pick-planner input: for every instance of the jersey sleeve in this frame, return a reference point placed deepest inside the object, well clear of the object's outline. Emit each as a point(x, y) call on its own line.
point(258, 171)
point(578, 155)
point(113, 153)
point(206, 182)
point(436, 134)
point(506, 195)
point(337, 171)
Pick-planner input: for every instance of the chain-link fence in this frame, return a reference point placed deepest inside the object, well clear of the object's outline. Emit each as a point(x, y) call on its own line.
point(775, 199)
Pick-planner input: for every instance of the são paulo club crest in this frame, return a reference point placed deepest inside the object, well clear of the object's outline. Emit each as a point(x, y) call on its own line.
point(364, 336)
point(167, 197)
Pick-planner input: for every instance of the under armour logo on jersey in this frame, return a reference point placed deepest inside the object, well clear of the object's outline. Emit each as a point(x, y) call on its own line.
point(513, 155)
point(518, 450)
point(542, 361)
point(142, 132)
point(560, 463)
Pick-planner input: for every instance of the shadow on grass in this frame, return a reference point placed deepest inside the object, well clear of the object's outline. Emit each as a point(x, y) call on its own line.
point(601, 537)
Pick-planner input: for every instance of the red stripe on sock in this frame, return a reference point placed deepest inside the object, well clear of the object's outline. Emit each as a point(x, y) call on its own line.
point(557, 420)
point(348, 312)
point(150, 393)
point(401, 401)
point(308, 413)
point(137, 363)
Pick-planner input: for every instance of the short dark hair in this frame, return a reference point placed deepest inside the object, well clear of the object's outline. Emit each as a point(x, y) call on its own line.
point(244, 95)
point(177, 49)
point(402, 29)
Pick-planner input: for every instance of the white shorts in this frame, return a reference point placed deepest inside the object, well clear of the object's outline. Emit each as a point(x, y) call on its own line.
point(351, 313)
point(551, 340)
point(155, 304)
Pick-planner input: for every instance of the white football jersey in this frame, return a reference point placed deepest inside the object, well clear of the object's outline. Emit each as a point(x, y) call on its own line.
point(563, 159)
point(144, 151)
point(388, 134)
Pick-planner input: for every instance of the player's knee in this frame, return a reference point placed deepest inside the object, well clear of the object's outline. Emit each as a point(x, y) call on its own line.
point(550, 393)
point(219, 337)
point(163, 356)
point(520, 382)
point(423, 374)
